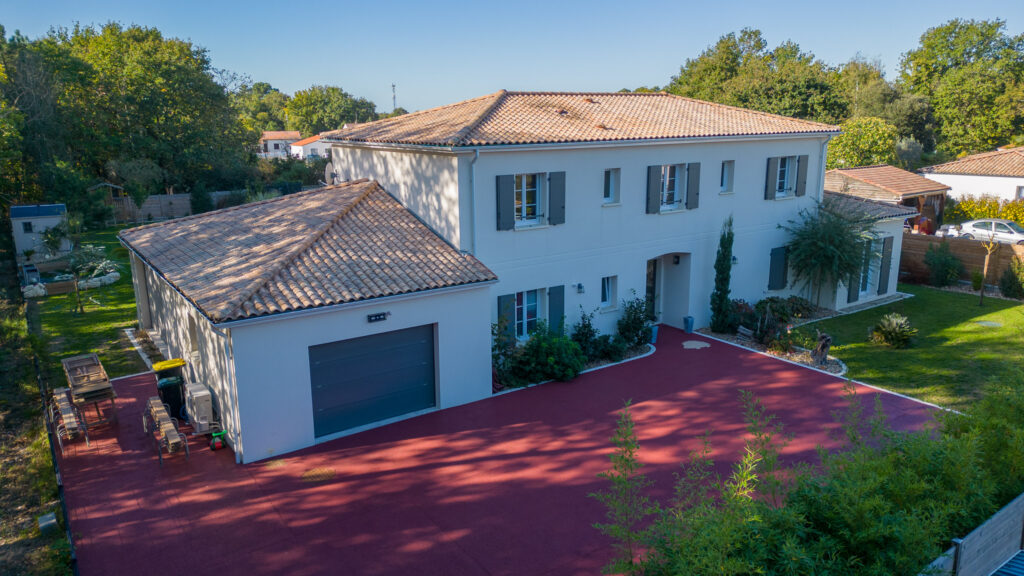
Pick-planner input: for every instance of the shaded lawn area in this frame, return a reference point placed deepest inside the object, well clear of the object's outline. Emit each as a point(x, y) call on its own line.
point(108, 310)
point(952, 359)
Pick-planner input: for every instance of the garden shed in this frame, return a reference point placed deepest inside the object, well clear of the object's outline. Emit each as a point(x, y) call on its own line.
point(314, 315)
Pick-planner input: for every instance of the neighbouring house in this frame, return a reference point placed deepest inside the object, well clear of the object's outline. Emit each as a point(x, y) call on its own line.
point(999, 174)
point(878, 277)
point(315, 314)
point(29, 222)
point(309, 148)
point(277, 143)
point(580, 200)
point(891, 185)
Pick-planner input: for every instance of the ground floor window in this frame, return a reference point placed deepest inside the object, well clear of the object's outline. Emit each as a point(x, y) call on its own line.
point(526, 312)
point(608, 289)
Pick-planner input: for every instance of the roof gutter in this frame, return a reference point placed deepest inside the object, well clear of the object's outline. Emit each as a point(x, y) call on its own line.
point(448, 149)
point(384, 300)
point(472, 200)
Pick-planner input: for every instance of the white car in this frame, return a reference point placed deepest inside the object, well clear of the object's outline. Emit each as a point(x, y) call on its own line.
point(1001, 230)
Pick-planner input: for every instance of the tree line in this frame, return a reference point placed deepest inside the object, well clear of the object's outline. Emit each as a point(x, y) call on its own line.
point(960, 91)
point(129, 106)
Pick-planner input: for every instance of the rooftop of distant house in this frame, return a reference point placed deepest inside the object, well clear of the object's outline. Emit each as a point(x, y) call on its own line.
point(881, 182)
point(290, 135)
point(1005, 162)
point(37, 210)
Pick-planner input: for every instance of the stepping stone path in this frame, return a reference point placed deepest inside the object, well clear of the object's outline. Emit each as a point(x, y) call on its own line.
point(988, 324)
point(695, 344)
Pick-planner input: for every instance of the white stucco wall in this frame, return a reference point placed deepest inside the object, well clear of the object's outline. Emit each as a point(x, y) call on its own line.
point(272, 361)
point(34, 240)
point(427, 184)
point(1002, 187)
point(599, 240)
point(162, 308)
point(284, 148)
point(322, 149)
point(893, 228)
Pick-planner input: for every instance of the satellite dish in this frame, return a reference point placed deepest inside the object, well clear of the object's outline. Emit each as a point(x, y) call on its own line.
point(330, 176)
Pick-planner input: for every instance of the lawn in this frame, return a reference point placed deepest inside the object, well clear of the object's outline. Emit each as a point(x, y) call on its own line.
point(952, 359)
point(108, 311)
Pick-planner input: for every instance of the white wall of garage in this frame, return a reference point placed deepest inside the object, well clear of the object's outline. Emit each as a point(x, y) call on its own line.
point(271, 360)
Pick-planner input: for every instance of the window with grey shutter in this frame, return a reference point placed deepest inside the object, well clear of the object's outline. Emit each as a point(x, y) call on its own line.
point(692, 185)
point(777, 269)
point(506, 202)
point(853, 288)
point(770, 178)
point(883, 272)
point(556, 198)
point(507, 311)
point(653, 189)
point(556, 309)
point(801, 176)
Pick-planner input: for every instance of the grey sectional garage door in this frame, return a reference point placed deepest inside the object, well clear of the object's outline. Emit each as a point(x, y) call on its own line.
point(363, 380)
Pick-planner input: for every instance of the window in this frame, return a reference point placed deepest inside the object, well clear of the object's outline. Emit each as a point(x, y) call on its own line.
point(1003, 228)
point(527, 198)
point(786, 177)
point(526, 312)
point(1020, 192)
point(26, 227)
point(867, 276)
point(778, 268)
point(193, 336)
point(669, 182)
point(608, 290)
point(983, 226)
point(725, 181)
point(277, 145)
point(611, 186)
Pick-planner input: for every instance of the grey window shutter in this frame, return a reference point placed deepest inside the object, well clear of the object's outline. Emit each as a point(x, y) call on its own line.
point(777, 269)
point(853, 288)
point(507, 310)
point(556, 309)
point(883, 273)
point(556, 198)
point(506, 201)
point(770, 176)
point(653, 189)
point(801, 176)
point(692, 185)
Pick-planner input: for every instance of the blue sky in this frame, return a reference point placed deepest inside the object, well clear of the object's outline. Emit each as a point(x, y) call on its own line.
point(445, 51)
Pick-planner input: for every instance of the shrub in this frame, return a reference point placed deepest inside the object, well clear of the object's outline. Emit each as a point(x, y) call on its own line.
point(744, 314)
point(785, 309)
point(585, 335)
point(1011, 283)
point(977, 280)
point(611, 348)
point(722, 319)
point(547, 356)
point(634, 325)
point(893, 329)
point(781, 342)
point(974, 207)
point(943, 267)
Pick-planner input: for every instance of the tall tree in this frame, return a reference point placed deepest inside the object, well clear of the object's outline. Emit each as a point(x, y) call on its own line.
point(321, 108)
point(721, 306)
point(864, 141)
point(972, 71)
point(261, 106)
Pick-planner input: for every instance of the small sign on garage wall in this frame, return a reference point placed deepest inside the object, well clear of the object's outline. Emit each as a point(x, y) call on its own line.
point(377, 317)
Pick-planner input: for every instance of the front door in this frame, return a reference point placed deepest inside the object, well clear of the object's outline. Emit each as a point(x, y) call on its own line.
point(652, 288)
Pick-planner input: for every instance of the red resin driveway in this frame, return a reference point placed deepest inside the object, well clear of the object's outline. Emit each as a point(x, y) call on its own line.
point(495, 487)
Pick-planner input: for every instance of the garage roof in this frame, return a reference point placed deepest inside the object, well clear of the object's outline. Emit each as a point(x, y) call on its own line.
point(333, 245)
point(869, 209)
point(881, 182)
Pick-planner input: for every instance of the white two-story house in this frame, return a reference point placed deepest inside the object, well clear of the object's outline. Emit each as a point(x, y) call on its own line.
point(580, 200)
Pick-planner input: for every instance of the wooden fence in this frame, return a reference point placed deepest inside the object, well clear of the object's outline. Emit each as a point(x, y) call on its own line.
point(155, 207)
point(987, 547)
point(970, 252)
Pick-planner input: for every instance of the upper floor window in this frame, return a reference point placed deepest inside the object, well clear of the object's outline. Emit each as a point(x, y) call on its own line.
point(611, 186)
point(673, 186)
point(726, 178)
point(26, 227)
point(786, 177)
point(528, 200)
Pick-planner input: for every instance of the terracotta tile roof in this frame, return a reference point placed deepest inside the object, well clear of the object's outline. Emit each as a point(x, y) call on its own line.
point(305, 141)
point(1009, 162)
point(333, 245)
point(280, 135)
point(552, 117)
point(874, 210)
point(881, 182)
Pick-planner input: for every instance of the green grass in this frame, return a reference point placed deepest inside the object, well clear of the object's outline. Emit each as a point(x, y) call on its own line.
point(108, 311)
point(952, 359)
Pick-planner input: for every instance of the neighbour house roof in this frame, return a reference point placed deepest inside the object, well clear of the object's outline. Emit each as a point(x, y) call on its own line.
point(37, 210)
point(1008, 162)
point(881, 182)
point(870, 209)
point(560, 117)
point(280, 135)
point(305, 141)
point(333, 245)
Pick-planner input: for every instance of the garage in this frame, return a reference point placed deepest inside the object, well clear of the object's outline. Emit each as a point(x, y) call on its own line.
point(364, 380)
